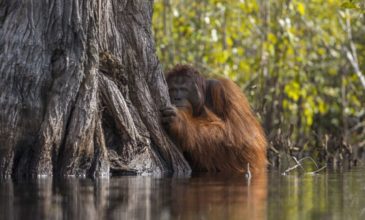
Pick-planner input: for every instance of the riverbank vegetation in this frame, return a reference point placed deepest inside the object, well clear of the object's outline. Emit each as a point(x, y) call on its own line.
point(300, 62)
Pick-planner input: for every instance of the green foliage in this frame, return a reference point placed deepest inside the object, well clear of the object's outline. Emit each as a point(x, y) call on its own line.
point(357, 5)
point(288, 56)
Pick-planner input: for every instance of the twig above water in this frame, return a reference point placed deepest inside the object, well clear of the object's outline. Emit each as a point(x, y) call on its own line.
point(298, 164)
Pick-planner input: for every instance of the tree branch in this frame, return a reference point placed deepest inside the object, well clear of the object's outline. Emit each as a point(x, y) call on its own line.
point(351, 53)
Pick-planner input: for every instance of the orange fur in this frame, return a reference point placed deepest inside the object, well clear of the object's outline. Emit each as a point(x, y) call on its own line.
point(226, 136)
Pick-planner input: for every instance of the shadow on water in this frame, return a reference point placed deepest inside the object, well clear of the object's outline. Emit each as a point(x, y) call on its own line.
point(338, 195)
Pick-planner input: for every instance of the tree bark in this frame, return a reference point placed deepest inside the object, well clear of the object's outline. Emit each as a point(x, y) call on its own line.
point(81, 88)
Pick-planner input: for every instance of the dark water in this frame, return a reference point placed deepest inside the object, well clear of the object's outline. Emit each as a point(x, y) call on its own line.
point(330, 195)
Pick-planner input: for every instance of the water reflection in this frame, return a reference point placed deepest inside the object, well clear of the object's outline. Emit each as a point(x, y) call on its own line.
point(204, 197)
point(333, 195)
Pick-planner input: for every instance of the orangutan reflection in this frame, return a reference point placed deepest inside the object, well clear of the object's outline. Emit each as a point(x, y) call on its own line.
point(222, 198)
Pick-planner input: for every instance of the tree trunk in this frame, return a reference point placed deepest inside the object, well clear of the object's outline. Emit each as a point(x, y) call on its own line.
point(81, 88)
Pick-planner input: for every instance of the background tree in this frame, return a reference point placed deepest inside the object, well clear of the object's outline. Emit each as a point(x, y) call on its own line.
point(81, 89)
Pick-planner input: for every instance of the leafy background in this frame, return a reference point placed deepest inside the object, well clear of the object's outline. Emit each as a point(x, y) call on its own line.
point(298, 61)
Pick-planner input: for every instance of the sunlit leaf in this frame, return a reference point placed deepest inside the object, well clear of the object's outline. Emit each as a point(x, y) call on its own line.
point(301, 8)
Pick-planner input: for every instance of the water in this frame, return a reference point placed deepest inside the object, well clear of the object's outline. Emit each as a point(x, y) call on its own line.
point(329, 195)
